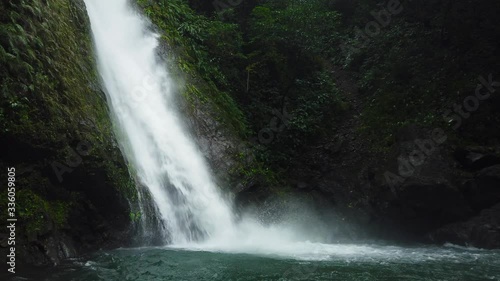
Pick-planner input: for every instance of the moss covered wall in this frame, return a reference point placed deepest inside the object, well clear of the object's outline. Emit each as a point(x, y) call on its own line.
point(197, 50)
point(73, 186)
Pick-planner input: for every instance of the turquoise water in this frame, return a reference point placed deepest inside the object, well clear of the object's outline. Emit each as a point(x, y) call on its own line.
point(343, 262)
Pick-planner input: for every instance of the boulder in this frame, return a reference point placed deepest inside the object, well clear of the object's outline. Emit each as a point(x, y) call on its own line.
point(484, 190)
point(476, 158)
point(482, 231)
point(421, 193)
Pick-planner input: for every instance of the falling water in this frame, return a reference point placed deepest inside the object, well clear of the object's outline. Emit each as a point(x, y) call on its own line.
point(163, 157)
point(165, 161)
point(141, 99)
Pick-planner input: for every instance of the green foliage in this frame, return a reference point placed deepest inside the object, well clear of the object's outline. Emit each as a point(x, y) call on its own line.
point(288, 38)
point(50, 102)
point(277, 56)
point(202, 47)
point(135, 216)
point(246, 69)
point(250, 170)
point(309, 27)
point(425, 60)
point(249, 68)
point(288, 72)
point(313, 110)
point(396, 76)
point(40, 57)
point(36, 213)
point(122, 180)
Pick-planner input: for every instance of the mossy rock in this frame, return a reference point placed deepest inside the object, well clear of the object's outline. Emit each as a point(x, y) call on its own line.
point(55, 122)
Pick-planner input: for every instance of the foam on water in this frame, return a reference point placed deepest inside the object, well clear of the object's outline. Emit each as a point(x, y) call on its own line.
point(309, 251)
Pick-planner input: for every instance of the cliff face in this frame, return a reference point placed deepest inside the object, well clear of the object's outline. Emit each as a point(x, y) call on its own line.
point(74, 193)
point(73, 189)
point(363, 109)
point(349, 141)
point(206, 93)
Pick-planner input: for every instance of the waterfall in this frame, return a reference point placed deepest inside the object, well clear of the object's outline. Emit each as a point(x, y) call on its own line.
point(142, 103)
point(164, 159)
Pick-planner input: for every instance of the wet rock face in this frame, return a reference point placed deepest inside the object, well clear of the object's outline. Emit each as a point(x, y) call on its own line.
point(420, 178)
point(442, 197)
point(424, 204)
point(476, 158)
point(83, 204)
point(484, 190)
point(482, 231)
point(428, 189)
point(452, 201)
point(94, 214)
point(50, 249)
point(216, 143)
